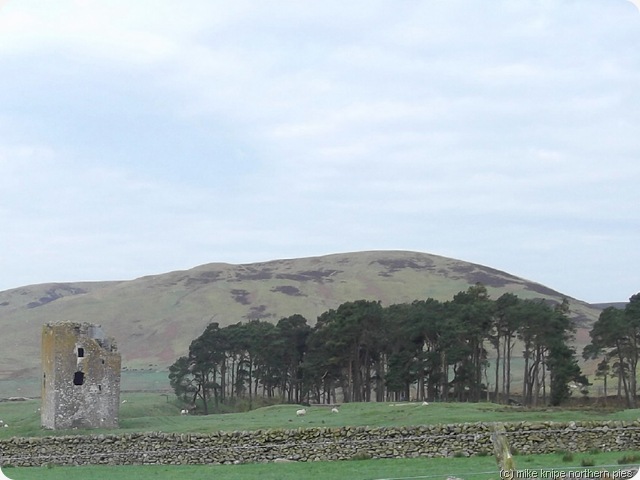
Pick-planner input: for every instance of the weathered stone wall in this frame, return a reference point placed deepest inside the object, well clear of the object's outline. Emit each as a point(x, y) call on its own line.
point(317, 444)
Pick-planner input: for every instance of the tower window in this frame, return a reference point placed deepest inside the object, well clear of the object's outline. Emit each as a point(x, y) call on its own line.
point(78, 378)
point(80, 352)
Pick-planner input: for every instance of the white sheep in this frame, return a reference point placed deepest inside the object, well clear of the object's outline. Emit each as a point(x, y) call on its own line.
point(424, 404)
point(184, 412)
point(335, 410)
point(302, 412)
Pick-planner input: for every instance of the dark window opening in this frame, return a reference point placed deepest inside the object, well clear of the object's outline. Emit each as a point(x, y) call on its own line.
point(99, 388)
point(80, 352)
point(78, 378)
point(102, 361)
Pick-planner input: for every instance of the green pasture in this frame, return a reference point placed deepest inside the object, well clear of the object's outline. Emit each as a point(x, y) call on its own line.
point(150, 379)
point(147, 412)
point(474, 468)
point(160, 412)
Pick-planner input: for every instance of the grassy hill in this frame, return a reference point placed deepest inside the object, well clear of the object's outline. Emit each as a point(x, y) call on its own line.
point(154, 318)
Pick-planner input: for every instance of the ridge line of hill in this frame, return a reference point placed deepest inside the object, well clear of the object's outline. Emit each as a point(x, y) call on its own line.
point(155, 317)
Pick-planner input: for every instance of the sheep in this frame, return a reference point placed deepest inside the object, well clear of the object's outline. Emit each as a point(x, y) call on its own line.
point(424, 404)
point(184, 412)
point(334, 410)
point(302, 412)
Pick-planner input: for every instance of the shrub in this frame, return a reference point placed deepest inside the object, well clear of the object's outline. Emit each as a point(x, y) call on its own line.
point(361, 456)
point(629, 459)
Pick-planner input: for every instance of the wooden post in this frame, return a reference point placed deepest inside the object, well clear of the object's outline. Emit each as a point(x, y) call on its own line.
point(503, 455)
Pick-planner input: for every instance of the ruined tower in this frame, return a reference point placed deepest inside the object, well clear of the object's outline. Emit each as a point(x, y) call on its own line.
point(81, 377)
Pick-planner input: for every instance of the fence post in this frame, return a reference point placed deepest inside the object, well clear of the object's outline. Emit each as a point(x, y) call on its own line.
point(505, 460)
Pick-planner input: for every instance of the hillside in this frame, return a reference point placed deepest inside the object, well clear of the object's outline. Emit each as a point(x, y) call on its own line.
point(154, 318)
point(618, 305)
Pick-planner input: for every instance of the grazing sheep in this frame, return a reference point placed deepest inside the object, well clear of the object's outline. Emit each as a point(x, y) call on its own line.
point(302, 412)
point(424, 404)
point(184, 412)
point(334, 410)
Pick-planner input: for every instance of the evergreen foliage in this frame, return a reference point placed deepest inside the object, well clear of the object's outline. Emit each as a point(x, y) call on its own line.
point(363, 352)
point(615, 337)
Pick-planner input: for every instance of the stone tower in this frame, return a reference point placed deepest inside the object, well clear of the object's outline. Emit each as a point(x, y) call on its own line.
point(81, 377)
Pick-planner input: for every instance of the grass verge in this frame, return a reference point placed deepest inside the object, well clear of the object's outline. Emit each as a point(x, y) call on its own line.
point(473, 468)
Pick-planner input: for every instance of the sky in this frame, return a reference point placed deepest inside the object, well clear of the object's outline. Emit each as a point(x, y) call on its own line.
point(142, 137)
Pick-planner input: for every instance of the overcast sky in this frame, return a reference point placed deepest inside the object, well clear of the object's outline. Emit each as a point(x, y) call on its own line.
point(140, 137)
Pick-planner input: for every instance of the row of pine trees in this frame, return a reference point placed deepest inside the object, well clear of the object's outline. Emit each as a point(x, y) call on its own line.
point(464, 349)
point(426, 350)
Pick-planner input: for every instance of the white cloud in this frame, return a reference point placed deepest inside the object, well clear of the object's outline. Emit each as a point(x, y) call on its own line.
point(165, 135)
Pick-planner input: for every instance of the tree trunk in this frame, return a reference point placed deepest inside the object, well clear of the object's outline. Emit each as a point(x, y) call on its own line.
point(496, 389)
point(525, 382)
point(223, 379)
point(234, 366)
point(633, 367)
point(444, 393)
point(205, 403)
point(508, 360)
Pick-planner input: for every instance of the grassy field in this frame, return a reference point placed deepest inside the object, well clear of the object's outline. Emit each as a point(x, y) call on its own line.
point(142, 412)
point(158, 412)
point(475, 468)
point(149, 380)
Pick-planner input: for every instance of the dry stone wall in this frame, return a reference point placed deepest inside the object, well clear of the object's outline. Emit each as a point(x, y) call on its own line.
point(316, 444)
